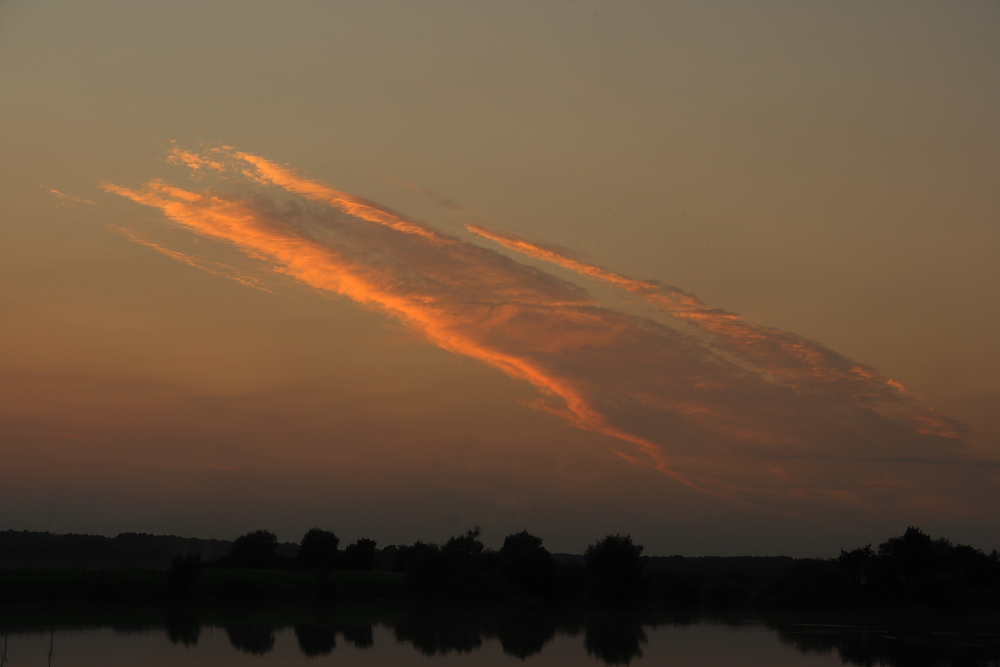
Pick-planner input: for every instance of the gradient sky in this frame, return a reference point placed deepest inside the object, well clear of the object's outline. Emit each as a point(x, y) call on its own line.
point(722, 275)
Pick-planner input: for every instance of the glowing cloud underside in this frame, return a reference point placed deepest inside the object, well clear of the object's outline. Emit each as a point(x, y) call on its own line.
point(715, 402)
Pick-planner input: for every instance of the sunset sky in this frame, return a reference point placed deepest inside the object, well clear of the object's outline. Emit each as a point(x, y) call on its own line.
point(721, 275)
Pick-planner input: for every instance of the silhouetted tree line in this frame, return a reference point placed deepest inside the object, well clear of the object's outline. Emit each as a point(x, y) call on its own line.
point(911, 570)
point(27, 549)
point(465, 569)
point(462, 568)
point(260, 550)
point(319, 549)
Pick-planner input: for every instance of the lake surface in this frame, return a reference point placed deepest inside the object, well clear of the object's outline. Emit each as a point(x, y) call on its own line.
point(436, 637)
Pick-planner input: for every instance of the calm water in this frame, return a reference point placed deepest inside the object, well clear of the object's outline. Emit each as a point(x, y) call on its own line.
point(439, 638)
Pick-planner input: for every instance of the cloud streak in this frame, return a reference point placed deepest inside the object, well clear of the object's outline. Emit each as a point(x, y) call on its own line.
point(715, 402)
point(780, 356)
point(207, 265)
point(66, 199)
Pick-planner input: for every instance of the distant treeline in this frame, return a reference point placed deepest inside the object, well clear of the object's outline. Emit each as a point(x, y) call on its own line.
point(913, 569)
point(27, 549)
point(128, 550)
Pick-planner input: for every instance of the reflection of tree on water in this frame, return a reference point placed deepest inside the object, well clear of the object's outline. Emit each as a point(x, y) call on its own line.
point(317, 640)
point(522, 637)
point(442, 632)
point(254, 639)
point(434, 634)
point(899, 646)
point(614, 638)
point(183, 628)
point(359, 635)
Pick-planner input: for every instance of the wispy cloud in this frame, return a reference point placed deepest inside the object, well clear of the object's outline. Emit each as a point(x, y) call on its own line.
point(715, 402)
point(66, 199)
point(207, 265)
point(193, 160)
point(779, 356)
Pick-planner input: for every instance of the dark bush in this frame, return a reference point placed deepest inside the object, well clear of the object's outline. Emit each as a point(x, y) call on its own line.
point(258, 549)
point(318, 549)
point(466, 551)
point(359, 556)
point(524, 562)
point(614, 568)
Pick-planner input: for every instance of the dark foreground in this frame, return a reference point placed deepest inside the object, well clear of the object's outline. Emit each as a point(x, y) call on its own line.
point(399, 634)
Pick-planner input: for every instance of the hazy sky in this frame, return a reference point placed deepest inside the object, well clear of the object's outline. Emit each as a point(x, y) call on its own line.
point(722, 275)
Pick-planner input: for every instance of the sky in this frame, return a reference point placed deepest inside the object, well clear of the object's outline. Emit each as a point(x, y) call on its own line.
point(718, 275)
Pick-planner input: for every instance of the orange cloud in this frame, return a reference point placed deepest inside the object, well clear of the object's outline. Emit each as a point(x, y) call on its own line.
point(711, 402)
point(459, 327)
point(286, 178)
point(194, 161)
point(780, 356)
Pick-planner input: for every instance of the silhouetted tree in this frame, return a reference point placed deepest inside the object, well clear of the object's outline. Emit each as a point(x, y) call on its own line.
point(256, 549)
point(614, 566)
point(360, 555)
point(318, 549)
point(471, 568)
point(859, 563)
point(914, 551)
point(385, 559)
point(465, 550)
point(917, 569)
point(525, 562)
